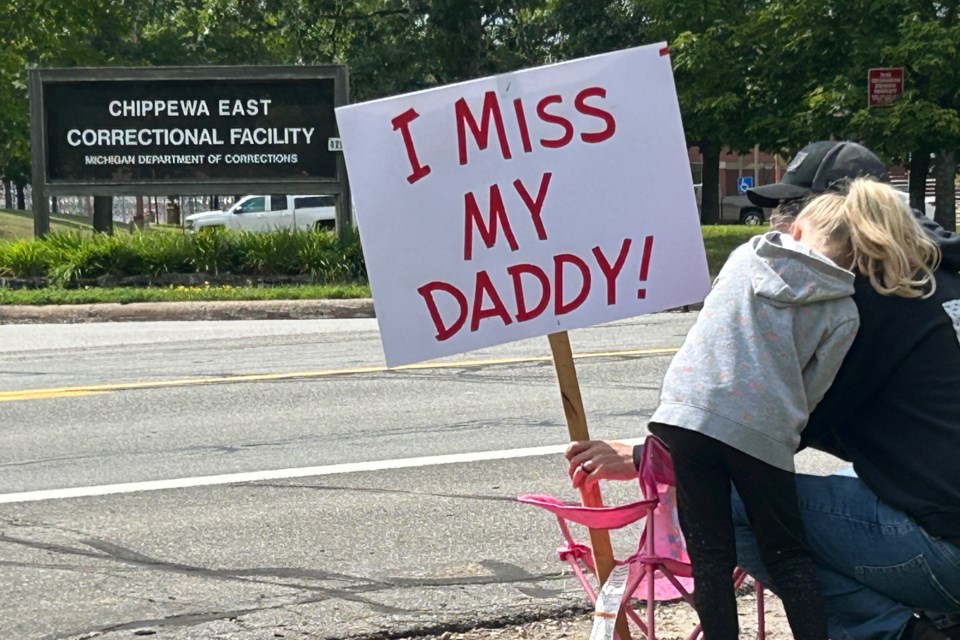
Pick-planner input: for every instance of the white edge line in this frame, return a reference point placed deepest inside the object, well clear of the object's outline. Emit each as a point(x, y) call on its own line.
point(283, 474)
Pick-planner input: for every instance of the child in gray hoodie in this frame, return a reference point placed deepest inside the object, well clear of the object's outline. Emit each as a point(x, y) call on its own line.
point(765, 348)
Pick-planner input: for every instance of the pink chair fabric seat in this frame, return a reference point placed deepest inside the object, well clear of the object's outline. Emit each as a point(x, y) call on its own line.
point(661, 551)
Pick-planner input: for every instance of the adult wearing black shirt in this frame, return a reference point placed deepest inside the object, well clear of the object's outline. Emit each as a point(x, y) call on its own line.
point(887, 540)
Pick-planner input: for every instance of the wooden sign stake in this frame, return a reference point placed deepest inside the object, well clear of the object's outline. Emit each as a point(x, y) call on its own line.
point(577, 427)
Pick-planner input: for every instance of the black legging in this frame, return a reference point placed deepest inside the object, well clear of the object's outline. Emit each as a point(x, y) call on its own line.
point(704, 468)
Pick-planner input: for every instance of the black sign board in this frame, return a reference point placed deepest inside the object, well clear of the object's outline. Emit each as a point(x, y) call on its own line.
point(187, 131)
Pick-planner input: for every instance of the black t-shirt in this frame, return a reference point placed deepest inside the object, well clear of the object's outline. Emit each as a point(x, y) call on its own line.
point(894, 408)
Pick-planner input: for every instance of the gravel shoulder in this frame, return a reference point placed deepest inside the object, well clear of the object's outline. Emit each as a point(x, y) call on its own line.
point(675, 621)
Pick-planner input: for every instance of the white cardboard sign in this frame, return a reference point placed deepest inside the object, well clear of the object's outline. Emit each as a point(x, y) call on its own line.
point(524, 204)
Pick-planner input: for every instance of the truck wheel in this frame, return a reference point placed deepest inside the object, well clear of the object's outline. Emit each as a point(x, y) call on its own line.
point(751, 217)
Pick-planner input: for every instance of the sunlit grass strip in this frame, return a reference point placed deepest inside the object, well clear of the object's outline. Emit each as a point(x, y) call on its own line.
point(719, 240)
point(203, 293)
point(16, 225)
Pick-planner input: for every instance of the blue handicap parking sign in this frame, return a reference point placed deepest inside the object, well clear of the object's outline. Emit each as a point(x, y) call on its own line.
point(744, 183)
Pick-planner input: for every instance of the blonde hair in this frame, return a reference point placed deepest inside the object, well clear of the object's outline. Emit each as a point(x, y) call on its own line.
point(827, 214)
point(886, 243)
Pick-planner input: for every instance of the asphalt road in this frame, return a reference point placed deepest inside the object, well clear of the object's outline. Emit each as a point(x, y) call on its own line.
point(264, 479)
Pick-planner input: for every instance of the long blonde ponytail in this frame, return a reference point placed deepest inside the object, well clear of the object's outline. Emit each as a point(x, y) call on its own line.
point(889, 246)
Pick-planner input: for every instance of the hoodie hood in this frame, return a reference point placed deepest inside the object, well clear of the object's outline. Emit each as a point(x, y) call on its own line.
point(764, 349)
point(788, 272)
point(948, 242)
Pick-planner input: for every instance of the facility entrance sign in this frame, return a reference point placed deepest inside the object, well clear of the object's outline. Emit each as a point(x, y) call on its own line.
point(186, 131)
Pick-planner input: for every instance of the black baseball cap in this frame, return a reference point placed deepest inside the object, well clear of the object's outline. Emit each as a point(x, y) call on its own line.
point(816, 168)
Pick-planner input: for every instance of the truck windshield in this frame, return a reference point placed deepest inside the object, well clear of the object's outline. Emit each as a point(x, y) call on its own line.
point(253, 205)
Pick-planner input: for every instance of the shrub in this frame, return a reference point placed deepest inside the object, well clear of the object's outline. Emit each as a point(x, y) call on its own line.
point(79, 256)
point(162, 253)
point(108, 255)
point(321, 257)
point(67, 257)
point(276, 253)
point(25, 259)
point(66, 247)
point(352, 253)
point(213, 252)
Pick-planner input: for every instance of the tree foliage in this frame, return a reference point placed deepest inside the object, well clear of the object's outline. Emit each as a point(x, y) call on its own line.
point(80, 33)
point(825, 49)
point(769, 72)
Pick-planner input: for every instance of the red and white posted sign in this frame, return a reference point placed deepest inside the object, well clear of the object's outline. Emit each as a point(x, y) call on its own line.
point(884, 86)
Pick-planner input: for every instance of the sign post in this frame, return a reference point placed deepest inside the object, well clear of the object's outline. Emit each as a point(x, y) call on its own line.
point(577, 429)
point(524, 205)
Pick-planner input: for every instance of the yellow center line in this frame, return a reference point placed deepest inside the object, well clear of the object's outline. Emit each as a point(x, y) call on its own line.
point(70, 392)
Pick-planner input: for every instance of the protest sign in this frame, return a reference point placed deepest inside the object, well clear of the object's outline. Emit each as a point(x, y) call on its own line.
point(527, 204)
point(524, 204)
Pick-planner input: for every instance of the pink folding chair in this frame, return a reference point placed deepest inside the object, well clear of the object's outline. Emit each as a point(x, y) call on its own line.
point(659, 570)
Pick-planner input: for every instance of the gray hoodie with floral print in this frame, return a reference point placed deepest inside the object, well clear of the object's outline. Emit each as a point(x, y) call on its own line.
point(764, 349)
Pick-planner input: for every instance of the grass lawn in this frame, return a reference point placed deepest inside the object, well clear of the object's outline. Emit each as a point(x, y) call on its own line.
point(19, 224)
point(126, 295)
point(719, 241)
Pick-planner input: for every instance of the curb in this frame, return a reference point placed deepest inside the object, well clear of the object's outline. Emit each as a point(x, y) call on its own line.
point(192, 311)
point(185, 311)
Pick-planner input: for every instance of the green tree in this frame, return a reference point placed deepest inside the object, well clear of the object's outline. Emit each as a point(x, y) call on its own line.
point(588, 27)
point(711, 57)
point(710, 65)
point(925, 120)
point(815, 83)
point(394, 46)
point(83, 32)
point(382, 41)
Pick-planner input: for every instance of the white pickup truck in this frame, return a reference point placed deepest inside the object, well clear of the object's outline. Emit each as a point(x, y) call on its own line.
point(269, 213)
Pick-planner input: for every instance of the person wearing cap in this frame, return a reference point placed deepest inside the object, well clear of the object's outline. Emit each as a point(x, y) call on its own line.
point(885, 539)
point(826, 165)
point(815, 169)
point(894, 412)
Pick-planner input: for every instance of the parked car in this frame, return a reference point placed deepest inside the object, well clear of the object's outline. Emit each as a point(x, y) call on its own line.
point(737, 209)
point(269, 213)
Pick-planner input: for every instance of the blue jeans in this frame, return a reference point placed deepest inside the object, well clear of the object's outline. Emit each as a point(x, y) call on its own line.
point(875, 565)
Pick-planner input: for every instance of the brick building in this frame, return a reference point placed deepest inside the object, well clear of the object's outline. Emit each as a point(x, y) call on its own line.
point(764, 168)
